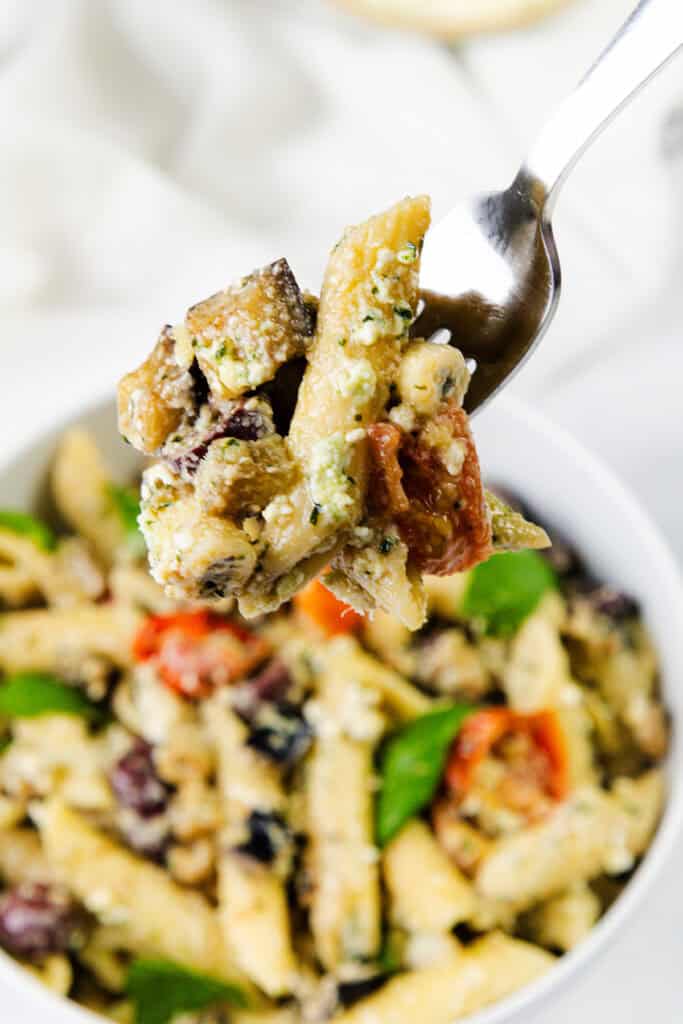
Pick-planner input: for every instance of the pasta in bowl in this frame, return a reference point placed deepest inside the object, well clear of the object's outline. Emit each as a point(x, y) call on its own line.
point(322, 816)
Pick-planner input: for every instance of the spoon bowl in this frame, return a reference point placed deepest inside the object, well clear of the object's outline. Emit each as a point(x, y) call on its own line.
point(490, 273)
point(491, 279)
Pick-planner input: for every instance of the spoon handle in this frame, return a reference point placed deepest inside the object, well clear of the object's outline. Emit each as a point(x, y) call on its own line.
point(650, 37)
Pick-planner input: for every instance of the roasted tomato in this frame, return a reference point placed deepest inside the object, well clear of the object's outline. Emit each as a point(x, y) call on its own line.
point(333, 616)
point(197, 651)
point(532, 746)
point(440, 511)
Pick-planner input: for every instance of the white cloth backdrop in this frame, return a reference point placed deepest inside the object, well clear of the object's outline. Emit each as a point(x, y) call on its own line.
point(153, 149)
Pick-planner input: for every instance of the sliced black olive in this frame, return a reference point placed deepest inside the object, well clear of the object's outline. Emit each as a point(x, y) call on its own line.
point(269, 836)
point(280, 732)
point(349, 992)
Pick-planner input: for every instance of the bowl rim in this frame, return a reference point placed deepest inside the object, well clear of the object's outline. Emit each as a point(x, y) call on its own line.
point(661, 557)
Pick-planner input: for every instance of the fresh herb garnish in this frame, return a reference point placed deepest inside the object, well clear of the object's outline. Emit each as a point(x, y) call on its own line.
point(5, 742)
point(29, 527)
point(29, 694)
point(405, 312)
point(408, 254)
point(315, 515)
point(503, 591)
point(411, 767)
point(160, 989)
point(220, 351)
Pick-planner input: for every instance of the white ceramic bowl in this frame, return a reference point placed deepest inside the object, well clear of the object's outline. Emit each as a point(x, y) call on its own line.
point(579, 496)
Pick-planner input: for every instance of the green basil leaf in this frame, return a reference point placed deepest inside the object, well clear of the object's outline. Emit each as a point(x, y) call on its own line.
point(161, 989)
point(411, 767)
point(126, 502)
point(503, 591)
point(29, 694)
point(29, 527)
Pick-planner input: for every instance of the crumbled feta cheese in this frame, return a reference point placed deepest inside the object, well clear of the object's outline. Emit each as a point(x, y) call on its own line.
point(453, 457)
point(183, 351)
point(279, 508)
point(328, 483)
point(403, 416)
point(426, 949)
point(354, 436)
point(356, 380)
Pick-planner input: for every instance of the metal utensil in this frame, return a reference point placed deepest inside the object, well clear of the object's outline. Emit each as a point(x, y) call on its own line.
point(490, 270)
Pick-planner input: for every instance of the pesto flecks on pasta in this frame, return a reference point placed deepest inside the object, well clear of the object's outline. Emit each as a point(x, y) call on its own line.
point(321, 815)
point(293, 437)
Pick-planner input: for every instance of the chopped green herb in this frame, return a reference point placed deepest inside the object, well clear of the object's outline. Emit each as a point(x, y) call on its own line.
point(231, 442)
point(5, 742)
point(30, 694)
point(368, 317)
point(29, 527)
point(503, 591)
point(411, 767)
point(390, 958)
point(341, 342)
point(160, 989)
point(220, 352)
point(387, 544)
point(408, 254)
point(315, 515)
point(405, 312)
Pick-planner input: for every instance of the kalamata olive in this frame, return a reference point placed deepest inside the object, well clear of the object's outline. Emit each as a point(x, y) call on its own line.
point(280, 732)
point(36, 919)
point(149, 837)
point(283, 392)
point(349, 992)
point(200, 386)
point(607, 600)
point(136, 784)
point(270, 684)
point(239, 422)
point(268, 837)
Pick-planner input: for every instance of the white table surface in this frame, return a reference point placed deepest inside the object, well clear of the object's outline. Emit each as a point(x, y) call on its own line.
point(617, 387)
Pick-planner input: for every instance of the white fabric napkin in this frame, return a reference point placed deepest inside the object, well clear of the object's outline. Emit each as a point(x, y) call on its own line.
point(151, 152)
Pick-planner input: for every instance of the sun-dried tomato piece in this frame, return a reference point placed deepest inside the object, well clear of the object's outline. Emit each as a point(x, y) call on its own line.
point(197, 651)
point(385, 490)
point(440, 516)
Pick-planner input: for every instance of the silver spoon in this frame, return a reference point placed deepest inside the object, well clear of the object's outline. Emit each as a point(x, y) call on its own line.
point(490, 270)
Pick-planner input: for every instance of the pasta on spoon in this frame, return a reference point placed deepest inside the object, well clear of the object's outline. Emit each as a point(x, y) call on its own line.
point(294, 438)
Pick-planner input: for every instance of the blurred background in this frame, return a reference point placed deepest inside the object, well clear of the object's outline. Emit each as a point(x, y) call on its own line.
point(152, 150)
